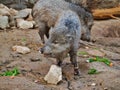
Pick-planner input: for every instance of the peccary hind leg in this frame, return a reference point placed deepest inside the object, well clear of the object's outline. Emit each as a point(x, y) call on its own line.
point(43, 30)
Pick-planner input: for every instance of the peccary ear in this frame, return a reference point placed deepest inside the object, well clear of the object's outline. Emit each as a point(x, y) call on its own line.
point(69, 37)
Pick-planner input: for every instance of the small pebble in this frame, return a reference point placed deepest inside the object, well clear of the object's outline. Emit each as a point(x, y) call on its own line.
point(36, 81)
point(93, 84)
point(87, 47)
point(105, 88)
point(87, 61)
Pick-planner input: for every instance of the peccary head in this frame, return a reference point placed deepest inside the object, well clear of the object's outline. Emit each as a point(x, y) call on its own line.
point(87, 24)
point(59, 43)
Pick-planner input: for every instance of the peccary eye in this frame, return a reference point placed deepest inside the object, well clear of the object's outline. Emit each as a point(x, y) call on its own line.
point(55, 42)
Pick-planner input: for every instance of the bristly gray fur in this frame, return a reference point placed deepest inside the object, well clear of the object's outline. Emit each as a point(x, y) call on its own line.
point(64, 38)
point(46, 13)
point(63, 23)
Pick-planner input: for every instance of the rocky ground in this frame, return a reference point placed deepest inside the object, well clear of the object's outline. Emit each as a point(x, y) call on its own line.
point(16, 28)
point(34, 66)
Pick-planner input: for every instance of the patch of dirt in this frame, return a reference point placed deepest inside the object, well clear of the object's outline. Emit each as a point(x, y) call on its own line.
point(34, 66)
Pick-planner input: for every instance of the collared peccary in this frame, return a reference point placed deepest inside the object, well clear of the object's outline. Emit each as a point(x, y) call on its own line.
point(64, 38)
point(46, 13)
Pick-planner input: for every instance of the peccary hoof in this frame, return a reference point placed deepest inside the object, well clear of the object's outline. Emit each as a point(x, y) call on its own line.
point(59, 63)
point(77, 72)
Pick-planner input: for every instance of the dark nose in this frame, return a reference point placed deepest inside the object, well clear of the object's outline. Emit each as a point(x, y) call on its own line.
point(88, 40)
point(85, 39)
point(41, 50)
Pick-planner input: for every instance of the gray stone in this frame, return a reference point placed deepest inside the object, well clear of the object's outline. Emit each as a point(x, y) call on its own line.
point(54, 75)
point(4, 22)
point(24, 13)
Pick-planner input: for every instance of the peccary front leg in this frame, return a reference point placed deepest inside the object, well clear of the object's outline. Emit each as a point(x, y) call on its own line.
point(43, 30)
point(73, 59)
point(59, 61)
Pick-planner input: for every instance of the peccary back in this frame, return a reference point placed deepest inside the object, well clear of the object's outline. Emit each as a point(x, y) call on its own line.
point(46, 13)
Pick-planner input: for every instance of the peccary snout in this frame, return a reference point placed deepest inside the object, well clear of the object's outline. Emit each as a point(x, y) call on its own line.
point(85, 37)
point(41, 50)
point(46, 50)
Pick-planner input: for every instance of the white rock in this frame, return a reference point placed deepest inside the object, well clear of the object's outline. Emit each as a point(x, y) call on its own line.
point(96, 53)
point(4, 22)
point(3, 6)
point(13, 12)
point(21, 49)
point(54, 75)
point(93, 84)
point(4, 10)
point(21, 23)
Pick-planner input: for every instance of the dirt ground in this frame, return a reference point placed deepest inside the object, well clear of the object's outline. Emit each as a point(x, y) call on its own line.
point(34, 66)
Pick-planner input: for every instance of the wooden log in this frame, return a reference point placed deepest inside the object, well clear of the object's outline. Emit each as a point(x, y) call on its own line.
point(106, 13)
